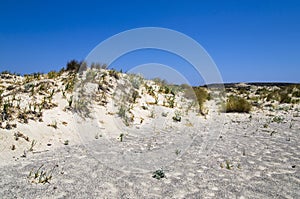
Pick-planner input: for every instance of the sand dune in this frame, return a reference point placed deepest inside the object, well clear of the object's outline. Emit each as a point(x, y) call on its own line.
point(102, 134)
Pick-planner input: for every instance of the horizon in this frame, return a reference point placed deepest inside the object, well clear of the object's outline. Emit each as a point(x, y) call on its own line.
point(252, 41)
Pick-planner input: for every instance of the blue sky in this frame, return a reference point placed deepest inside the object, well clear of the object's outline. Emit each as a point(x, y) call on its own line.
point(248, 40)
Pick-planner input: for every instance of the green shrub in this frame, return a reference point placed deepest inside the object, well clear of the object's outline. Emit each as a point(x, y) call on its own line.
point(237, 104)
point(159, 174)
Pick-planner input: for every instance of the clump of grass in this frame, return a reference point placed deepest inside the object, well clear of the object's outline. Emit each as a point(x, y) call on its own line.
point(114, 74)
point(70, 101)
point(159, 174)
point(121, 136)
point(177, 117)
point(199, 94)
point(237, 104)
point(33, 143)
point(41, 176)
point(228, 165)
point(177, 152)
point(54, 125)
point(122, 111)
point(278, 119)
point(282, 96)
point(52, 74)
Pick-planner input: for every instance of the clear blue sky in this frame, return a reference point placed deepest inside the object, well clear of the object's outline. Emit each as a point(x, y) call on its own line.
point(248, 40)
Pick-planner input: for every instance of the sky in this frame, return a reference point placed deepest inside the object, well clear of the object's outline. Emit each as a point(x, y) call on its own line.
point(249, 40)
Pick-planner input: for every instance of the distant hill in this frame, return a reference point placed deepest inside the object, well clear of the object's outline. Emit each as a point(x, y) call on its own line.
point(228, 85)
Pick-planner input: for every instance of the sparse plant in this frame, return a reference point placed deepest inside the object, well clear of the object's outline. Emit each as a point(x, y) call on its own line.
point(177, 117)
point(171, 101)
point(122, 111)
point(135, 95)
point(164, 114)
point(159, 174)
point(121, 136)
point(53, 124)
point(114, 74)
point(152, 114)
point(278, 119)
point(33, 143)
point(41, 176)
point(97, 136)
point(52, 74)
point(70, 101)
point(66, 142)
point(228, 165)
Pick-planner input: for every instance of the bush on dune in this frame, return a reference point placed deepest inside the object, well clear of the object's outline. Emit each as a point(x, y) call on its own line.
point(237, 104)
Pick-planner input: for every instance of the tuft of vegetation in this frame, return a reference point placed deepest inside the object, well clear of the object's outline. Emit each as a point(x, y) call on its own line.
point(121, 136)
point(73, 66)
point(159, 174)
point(177, 117)
point(237, 104)
point(199, 94)
point(278, 119)
point(40, 175)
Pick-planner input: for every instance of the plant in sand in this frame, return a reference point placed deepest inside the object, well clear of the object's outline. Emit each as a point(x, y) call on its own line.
point(121, 136)
point(70, 101)
point(177, 117)
point(236, 104)
point(33, 143)
point(40, 175)
point(158, 174)
point(53, 124)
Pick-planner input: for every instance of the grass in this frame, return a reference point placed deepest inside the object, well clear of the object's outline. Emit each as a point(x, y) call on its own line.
point(236, 104)
point(121, 136)
point(199, 94)
point(54, 125)
point(41, 176)
point(33, 143)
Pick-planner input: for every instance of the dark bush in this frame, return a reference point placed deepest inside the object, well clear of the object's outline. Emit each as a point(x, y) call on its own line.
point(237, 104)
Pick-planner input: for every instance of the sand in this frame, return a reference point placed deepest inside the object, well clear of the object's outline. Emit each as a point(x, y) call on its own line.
point(219, 155)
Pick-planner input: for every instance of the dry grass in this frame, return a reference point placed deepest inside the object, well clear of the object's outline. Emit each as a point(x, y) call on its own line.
point(236, 104)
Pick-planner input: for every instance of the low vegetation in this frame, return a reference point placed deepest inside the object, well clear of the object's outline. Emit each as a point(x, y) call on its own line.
point(236, 104)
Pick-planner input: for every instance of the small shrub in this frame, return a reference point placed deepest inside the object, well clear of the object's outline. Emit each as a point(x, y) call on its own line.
point(114, 74)
point(66, 142)
point(52, 74)
point(54, 125)
point(237, 104)
point(73, 65)
point(122, 111)
point(296, 94)
point(121, 136)
point(177, 117)
point(277, 119)
point(158, 174)
point(228, 165)
point(41, 176)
